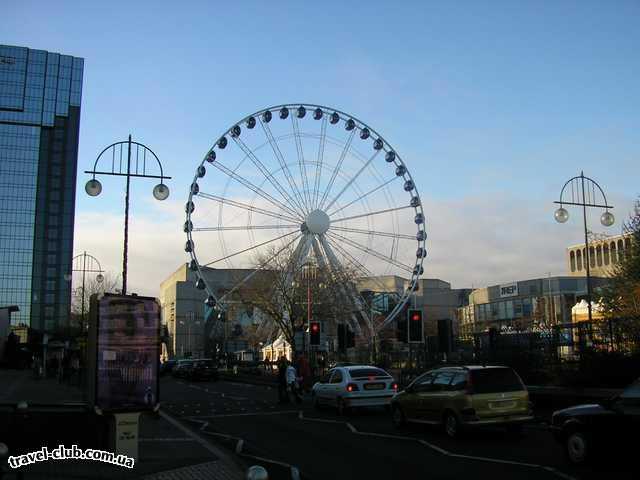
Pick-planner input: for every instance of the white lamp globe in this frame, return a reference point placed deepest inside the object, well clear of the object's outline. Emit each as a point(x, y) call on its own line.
point(561, 215)
point(607, 219)
point(93, 187)
point(161, 191)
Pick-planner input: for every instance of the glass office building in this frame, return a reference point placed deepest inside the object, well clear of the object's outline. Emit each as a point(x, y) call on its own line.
point(40, 96)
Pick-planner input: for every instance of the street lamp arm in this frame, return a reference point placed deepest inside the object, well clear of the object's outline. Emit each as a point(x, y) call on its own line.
point(100, 270)
point(120, 169)
point(576, 191)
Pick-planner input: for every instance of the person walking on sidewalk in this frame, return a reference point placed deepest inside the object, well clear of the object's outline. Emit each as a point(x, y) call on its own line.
point(292, 383)
point(283, 397)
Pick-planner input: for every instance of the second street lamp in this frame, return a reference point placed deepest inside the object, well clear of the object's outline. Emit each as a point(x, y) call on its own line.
point(585, 192)
point(121, 165)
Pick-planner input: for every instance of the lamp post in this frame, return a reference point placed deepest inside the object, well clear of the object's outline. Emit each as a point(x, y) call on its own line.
point(89, 264)
point(121, 160)
point(585, 192)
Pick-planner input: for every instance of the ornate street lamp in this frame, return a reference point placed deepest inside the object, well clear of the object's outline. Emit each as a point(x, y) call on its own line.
point(585, 192)
point(121, 165)
point(86, 263)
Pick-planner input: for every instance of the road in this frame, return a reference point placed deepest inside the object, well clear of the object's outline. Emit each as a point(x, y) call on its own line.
point(322, 445)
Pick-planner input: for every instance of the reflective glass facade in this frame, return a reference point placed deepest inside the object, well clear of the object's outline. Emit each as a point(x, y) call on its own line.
point(40, 96)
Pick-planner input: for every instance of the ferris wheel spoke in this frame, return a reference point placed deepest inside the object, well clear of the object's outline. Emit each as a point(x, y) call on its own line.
point(259, 268)
point(350, 289)
point(347, 145)
point(243, 227)
point(351, 259)
point(301, 163)
point(323, 139)
point(283, 165)
point(364, 195)
point(375, 233)
point(254, 188)
point(250, 208)
point(353, 179)
point(253, 247)
point(373, 252)
point(260, 166)
point(370, 214)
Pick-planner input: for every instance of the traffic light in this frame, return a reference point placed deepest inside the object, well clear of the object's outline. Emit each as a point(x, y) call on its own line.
point(416, 328)
point(314, 333)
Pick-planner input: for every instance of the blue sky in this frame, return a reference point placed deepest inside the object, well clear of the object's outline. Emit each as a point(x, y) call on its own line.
point(493, 105)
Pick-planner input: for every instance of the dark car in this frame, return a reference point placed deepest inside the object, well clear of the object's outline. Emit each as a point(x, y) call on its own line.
point(182, 368)
point(203, 369)
point(587, 431)
point(167, 367)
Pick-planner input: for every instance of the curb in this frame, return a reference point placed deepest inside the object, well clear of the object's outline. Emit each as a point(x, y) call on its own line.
point(219, 453)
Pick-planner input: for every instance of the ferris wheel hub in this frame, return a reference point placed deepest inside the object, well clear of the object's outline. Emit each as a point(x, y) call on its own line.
point(317, 222)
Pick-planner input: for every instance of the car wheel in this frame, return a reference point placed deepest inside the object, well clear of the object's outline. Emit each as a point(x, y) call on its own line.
point(341, 407)
point(577, 447)
point(451, 425)
point(397, 417)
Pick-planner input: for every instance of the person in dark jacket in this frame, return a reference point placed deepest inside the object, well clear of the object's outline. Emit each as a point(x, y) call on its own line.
point(283, 396)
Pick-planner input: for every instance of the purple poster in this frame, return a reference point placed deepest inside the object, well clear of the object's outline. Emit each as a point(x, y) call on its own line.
point(128, 353)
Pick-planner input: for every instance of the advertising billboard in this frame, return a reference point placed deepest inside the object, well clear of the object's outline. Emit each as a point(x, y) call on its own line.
point(127, 352)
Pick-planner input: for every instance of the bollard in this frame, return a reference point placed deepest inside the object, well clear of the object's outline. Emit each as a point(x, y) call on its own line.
point(257, 473)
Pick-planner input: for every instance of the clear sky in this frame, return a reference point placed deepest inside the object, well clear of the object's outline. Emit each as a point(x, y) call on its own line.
point(493, 106)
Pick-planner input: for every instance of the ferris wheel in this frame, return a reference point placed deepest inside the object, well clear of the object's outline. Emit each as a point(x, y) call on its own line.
point(313, 181)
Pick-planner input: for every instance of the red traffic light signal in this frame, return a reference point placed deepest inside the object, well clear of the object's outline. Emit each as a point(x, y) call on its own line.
point(416, 328)
point(314, 333)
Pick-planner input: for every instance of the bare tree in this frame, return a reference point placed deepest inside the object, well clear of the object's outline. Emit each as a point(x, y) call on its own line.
point(289, 291)
point(109, 284)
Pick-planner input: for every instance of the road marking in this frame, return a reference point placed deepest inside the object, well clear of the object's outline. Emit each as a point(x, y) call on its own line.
point(433, 447)
point(437, 448)
point(252, 414)
point(494, 460)
point(204, 425)
point(385, 435)
point(239, 446)
point(174, 439)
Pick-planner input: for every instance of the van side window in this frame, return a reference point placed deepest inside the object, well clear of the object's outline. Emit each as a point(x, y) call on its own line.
point(423, 383)
point(442, 381)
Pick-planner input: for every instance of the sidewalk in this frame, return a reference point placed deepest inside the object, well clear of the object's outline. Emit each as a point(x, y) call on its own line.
point(167, 449)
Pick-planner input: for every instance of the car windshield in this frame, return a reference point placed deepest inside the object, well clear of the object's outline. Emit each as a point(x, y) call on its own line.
point(495, 380)
point(367, 372)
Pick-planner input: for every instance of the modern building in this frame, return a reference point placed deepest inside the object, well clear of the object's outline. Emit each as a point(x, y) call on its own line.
point(604, 253)
point(435, 297)
point(40, 96)
point(521, 305)
point(185, 313)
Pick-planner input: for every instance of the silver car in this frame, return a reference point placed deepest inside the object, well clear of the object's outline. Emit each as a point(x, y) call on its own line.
point(354, 386)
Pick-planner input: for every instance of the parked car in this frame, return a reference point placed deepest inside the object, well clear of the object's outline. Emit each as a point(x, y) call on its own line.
point(612, 426)
point(354, 386)
point(167, 367)
point(182, 368)
point(203, 369)
point(464, 397)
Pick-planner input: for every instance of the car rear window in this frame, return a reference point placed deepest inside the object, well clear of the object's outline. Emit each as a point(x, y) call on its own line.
point(367, 372)
point(495, 380)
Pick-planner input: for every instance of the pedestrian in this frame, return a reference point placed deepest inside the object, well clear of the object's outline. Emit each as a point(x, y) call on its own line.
point(292, 383)
point(283, 397)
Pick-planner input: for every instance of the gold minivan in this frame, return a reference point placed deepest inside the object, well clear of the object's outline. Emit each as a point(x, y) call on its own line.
point(464, 397)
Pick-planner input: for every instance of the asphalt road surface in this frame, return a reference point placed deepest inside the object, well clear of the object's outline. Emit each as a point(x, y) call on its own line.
point(323, 445)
